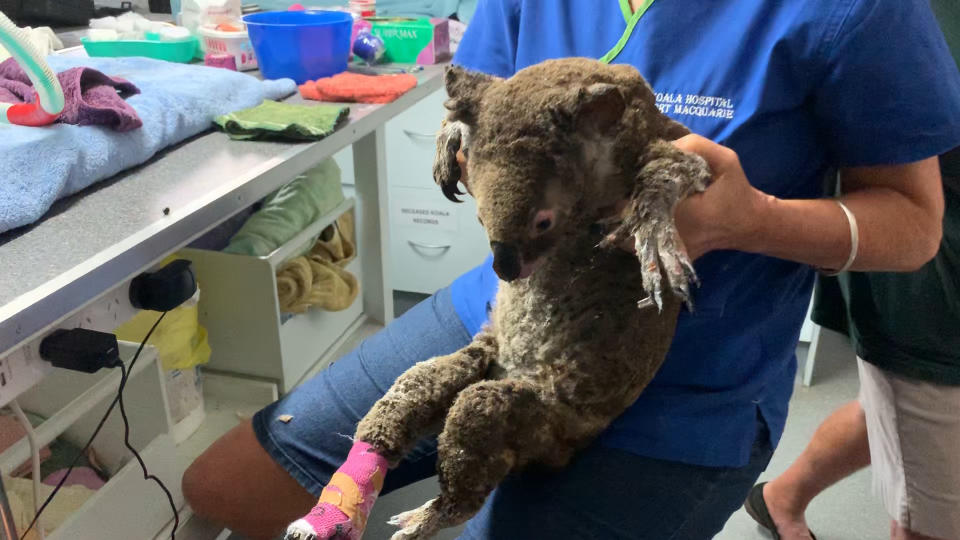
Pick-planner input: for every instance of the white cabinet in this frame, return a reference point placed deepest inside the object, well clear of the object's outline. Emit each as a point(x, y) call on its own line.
point(433, 240)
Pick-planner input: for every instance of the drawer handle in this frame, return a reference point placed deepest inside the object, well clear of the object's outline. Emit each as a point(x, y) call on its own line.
point(420, 137)
point(444, 247)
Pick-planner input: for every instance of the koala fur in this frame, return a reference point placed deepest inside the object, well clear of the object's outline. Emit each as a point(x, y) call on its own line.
point(550, 151)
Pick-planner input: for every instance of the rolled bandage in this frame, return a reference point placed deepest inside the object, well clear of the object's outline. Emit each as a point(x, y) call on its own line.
point(346, 501)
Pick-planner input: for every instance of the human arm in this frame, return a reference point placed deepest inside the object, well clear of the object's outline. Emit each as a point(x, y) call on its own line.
point(884, 109)
point(898, 210)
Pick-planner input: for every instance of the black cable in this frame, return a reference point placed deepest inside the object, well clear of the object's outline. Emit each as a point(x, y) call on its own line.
point(143, 466)
point(96, 431)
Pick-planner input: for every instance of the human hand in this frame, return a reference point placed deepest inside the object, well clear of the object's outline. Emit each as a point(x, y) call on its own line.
point(726, 215)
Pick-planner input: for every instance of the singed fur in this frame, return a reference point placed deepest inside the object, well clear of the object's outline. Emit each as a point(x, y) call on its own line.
point(567, 349)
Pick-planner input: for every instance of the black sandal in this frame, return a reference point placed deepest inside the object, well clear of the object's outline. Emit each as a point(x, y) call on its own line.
point(756, 507)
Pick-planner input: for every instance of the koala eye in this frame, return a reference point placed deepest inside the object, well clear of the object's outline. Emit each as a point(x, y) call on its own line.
point(480, 220)
point(543, 221)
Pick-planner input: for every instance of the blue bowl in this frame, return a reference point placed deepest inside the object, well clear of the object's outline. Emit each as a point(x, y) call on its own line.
point(300, 45)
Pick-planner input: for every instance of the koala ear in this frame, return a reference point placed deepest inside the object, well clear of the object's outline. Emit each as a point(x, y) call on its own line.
point(446, 168)
point(600, 107)
point(465, 89)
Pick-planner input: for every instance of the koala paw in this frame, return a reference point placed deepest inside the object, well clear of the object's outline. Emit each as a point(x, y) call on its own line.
point(417, 524)
point(324, 522)
point(661, 253)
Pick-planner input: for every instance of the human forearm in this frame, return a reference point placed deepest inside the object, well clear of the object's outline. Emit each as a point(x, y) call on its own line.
point(898, 211)
point(895, 234)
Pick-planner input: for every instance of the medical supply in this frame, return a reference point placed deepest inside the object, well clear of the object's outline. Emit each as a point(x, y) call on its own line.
point(369, 47)
point(301, 45)
point(43, 39)
point(231, 39)
point(92, 98)
point(357, 88)
point(132, 25)
point(421, 41)
point(363, 8)
point(49, 101)
point(182, 50)
point(197, 13)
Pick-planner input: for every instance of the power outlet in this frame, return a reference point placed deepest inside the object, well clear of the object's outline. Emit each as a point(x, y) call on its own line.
point(23, 367)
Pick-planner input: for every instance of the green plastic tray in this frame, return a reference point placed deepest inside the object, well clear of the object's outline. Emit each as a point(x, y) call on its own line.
point(183, 51)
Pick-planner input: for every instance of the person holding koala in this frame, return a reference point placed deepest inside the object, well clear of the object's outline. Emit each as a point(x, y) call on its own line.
point(776, 95)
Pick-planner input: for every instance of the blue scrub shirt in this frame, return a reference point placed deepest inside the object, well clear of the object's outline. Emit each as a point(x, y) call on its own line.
point(795, 87)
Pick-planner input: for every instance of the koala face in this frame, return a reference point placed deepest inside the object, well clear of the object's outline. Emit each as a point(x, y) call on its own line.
point(525, 204)
point(539, 164)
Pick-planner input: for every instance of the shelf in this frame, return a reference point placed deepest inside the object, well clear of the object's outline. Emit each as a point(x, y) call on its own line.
point(286, 251)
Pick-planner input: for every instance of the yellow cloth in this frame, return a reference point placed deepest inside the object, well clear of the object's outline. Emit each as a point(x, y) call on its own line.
point(319, 278)
point(68, 500)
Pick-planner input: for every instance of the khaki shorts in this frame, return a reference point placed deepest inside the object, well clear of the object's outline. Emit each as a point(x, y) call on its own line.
point(914, 433)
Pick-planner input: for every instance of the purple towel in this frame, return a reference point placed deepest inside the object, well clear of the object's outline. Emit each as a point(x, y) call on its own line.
point(92, 98)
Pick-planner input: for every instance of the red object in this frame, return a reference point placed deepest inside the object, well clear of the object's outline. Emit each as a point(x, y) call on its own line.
point(30, 114)
point(227, 27)
point(226, 61)
point(357, 88)
point(296, 7)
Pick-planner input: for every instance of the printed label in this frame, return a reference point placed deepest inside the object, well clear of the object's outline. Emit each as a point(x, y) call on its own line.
point(679, 104)
point(424, 215)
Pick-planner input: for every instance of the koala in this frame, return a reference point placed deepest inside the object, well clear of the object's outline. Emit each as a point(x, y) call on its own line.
point(578, 328)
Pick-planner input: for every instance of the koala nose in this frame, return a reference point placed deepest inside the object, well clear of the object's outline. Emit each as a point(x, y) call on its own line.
point(506, 261)
point(543, 221)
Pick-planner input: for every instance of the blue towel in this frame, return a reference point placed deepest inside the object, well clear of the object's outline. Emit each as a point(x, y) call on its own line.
point(41, 165)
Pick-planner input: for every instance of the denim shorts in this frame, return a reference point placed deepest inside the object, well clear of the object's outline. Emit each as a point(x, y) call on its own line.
point(604, 493)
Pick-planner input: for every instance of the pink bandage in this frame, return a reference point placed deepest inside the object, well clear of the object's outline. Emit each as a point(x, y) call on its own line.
point(346, 501)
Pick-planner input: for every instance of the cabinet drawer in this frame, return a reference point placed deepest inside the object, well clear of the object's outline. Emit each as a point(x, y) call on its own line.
point(411, 143)
point(433, 241)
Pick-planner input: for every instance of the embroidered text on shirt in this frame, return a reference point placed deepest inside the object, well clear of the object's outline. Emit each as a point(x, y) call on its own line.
point(678, 104)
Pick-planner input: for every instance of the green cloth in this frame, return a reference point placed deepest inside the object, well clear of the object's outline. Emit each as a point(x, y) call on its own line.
point(290, 210)
point(275, 120)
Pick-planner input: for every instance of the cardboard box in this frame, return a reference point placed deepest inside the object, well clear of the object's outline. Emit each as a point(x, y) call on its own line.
point(408, 41)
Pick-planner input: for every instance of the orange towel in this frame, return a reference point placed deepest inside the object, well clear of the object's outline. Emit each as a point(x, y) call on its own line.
point(358, 88)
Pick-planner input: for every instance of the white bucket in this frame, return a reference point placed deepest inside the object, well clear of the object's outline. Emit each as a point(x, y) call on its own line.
point(236, 44)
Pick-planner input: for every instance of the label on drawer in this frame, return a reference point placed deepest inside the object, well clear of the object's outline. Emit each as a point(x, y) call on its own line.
point(408, 212)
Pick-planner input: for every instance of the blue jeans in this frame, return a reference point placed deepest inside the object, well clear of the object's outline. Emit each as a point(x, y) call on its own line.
point(604, 493)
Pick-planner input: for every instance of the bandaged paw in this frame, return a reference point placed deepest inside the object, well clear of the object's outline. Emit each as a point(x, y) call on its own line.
point(346, 501)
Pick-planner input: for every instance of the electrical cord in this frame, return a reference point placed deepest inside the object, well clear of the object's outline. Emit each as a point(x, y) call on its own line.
point(34, 458)
point(143, 466)
point(116, 400)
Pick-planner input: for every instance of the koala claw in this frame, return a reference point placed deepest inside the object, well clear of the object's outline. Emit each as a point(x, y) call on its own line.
point(661, 252)
point(416, 524)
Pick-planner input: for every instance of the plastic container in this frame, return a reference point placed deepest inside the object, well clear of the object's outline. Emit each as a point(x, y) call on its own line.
point(300, 45)
point(236, 44)
point(363, 8)
point(182, 51)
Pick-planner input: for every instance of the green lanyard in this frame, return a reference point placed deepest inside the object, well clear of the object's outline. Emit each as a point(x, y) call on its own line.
point(632, 20)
